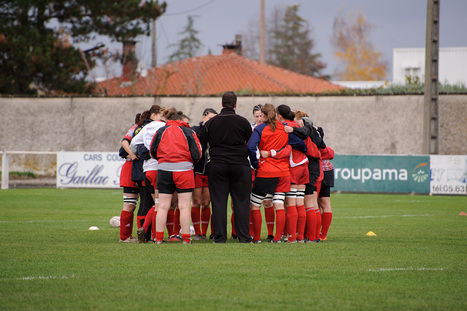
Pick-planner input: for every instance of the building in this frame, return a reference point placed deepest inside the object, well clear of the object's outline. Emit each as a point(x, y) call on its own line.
point(410, 63)
point(213, 75)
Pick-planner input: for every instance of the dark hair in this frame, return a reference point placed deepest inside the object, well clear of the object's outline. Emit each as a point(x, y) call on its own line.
point(270, 112)
point(144, 116)
point(208, 111)
point(137, 117)
point(257, 108)
point(229, 99)
point(155, 109)
point(172, 114)
point(286, 112)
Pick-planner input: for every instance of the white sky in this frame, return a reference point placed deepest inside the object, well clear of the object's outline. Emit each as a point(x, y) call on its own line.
point(397, 24)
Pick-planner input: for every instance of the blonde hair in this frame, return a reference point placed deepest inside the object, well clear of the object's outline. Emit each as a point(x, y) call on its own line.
point(300, 114)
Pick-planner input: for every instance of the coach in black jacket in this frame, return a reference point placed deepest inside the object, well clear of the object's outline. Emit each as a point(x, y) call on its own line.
point(225, 139)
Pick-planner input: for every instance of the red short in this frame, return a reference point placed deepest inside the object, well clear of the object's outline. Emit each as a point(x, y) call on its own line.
point(152, 177)
point(253, 175)
point(201, 181)
point(125, 176)
point(169, 182)
point(299, 175)
point(283, 184)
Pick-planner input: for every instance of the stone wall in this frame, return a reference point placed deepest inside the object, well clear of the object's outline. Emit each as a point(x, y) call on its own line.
point(352, 124)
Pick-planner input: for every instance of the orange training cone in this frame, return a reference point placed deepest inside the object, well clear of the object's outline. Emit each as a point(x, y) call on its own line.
point(462, 214)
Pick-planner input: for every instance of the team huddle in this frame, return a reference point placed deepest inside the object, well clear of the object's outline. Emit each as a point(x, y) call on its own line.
point(280, 162)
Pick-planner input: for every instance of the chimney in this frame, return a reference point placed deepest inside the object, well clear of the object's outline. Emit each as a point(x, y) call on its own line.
point(129, 60)
point(233, 47)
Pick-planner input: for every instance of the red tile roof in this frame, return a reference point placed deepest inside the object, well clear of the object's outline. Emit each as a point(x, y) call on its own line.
point(213, 75)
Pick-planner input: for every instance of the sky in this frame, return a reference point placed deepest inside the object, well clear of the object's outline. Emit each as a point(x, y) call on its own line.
point(396, 24)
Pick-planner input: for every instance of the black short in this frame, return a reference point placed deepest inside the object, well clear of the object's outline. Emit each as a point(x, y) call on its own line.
point(309, 189)
point(263, 186)
point(325, 192)
point(130, 190)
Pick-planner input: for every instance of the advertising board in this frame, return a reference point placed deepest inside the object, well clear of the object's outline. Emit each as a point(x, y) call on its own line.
point(88, 169)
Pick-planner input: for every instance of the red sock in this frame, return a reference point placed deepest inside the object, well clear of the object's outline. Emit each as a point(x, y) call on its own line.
point(285, 230)
point(252, 224)
point(205, 217)
point(232, 222)
point(186, 237)
point(177, 221)
point(326, 220)
point(256, 219)
point(195, 219)
point(318, 224)
point(170, 222)
point(291, 221)
point(301, 222)
point(148, 221)
point(126, 225)
point(280, 223)
point(159, 236)
point(140, 221)
point(269, 215)
point(153, 226)
point(310, 223)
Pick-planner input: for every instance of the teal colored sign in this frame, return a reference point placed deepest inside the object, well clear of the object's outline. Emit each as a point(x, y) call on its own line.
point(366, 173)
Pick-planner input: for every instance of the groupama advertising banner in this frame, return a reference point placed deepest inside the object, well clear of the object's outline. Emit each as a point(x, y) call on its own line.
point(436, 174)
point(379, 173)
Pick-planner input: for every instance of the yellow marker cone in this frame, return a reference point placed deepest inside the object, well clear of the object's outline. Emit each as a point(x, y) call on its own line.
point(371, 233)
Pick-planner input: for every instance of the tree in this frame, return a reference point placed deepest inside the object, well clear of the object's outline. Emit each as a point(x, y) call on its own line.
point(189, 45)
point(38, 40)
point(288, 43)
point(351, 40)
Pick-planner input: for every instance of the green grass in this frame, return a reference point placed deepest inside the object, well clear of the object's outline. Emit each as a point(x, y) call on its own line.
point(51, 261)
point(21, 174)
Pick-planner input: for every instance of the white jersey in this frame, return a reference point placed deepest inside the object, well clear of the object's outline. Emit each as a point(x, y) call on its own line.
point(145, 137)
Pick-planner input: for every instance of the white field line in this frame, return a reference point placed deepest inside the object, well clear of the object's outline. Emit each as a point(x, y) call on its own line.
point(405, 269)
point(47, 277)
point(39, 220)
point(383, 216)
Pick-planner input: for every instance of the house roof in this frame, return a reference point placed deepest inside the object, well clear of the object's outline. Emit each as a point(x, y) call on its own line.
point(214, 74)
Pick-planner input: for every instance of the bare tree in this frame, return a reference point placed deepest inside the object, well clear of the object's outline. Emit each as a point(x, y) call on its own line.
point(351, 40)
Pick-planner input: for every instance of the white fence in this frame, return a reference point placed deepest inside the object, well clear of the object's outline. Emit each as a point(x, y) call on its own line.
point(6, 163)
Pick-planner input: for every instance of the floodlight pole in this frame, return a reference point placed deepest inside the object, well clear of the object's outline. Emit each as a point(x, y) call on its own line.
point(261, 34)
point(430, 116)
point(154, 51)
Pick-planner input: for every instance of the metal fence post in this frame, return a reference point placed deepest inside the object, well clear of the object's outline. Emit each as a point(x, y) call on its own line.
point(5, 170)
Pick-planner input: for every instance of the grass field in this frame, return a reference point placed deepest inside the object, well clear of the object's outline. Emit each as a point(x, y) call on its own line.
point(51, 261)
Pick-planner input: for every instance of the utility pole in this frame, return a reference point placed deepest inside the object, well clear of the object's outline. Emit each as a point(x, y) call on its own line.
point(154, 52)
point(430, 119)
point(261, 34)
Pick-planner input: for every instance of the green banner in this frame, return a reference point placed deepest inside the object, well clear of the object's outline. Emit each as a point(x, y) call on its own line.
point(366, 173)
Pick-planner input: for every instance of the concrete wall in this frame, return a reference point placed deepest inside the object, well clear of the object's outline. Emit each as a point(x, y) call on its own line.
point(352, 124)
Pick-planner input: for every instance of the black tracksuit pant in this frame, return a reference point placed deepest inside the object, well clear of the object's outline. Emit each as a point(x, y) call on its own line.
point(236, 180)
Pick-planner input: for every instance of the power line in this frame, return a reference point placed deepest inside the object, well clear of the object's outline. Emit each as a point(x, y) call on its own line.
point(191, 10)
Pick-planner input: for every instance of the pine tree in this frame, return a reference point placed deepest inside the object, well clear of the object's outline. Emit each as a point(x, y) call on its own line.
point(189, 45)
point(37, 38)
point(290, 45)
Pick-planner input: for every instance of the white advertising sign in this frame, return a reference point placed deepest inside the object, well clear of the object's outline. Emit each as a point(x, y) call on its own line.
point(448, 174)
point(88, 169)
